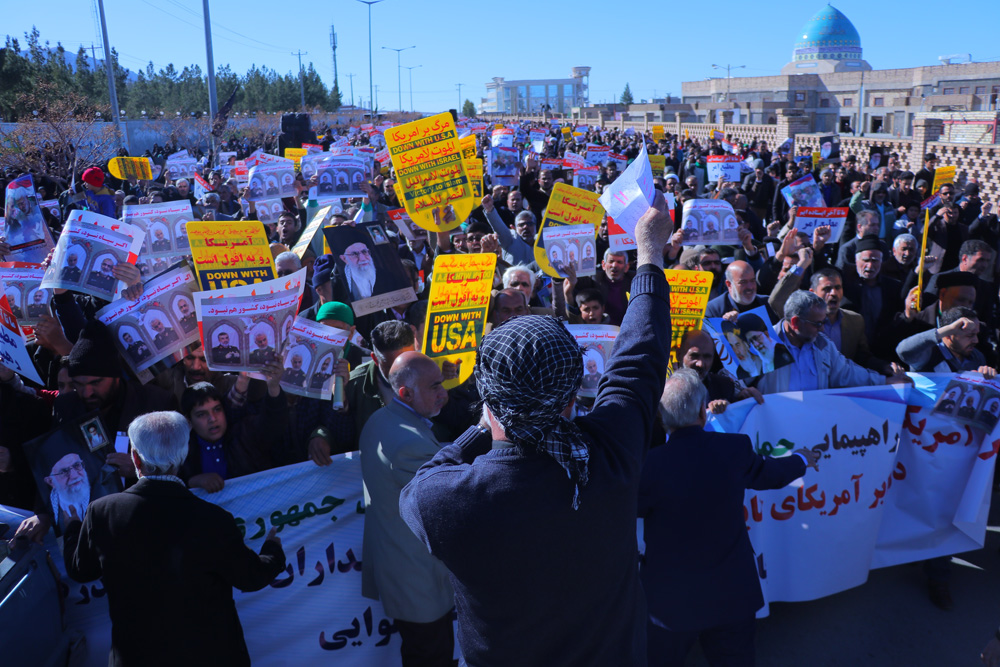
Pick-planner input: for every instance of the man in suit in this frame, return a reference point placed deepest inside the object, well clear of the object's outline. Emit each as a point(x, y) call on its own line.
point(699, 573)
point(412, 584)
point(874, 296)
point(142, 534)
point(741, 293)
point(844, 328)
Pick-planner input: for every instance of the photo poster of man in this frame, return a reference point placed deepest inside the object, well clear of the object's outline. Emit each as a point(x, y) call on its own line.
point(182, 167)
point(568, 205)
point(166, 233)
point(878, 156)
point(342, 177)
point(504, 166)
point(230, 253)
point(689, 294)
point(726, 167)
point(88, 249)
point(458, 307)
point(69, 470)
point(369, 267)
point(585, 178)
point(597, 341)
point(159, 325)
point(405, 225)
point(709, 222)
point(13, 349)
point(571, 245)
point(803, 192)
point(272, 181)
point(25, 296)
point(829, 148)
point(22, 223)
point(807, 219)
point(971, 400)
point(309, 355)
point(243, 333)
point(747, 347)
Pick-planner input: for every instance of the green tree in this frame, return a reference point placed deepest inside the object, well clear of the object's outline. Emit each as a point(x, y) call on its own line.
point(335, 101)
point(626, 95)
point(468, 109)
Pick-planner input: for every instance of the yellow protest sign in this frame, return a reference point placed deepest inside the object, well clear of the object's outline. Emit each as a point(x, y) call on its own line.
point(689, 292)
point(943, 176)
point(567, 134)
point(817, 158)
point(658, 163)
point(473, 165)
point(427, 158)
point(567, 206)
point(229, 253)
point(131, 167)
point(296, 155)
point(658, 133)
point(457, 310)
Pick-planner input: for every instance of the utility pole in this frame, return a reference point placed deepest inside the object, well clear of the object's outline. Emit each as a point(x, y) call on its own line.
point(333, 45)
point(411, 84)
point(728, 69)
point(302, 85)
point(109, 67)
point(93, 56)
point(399, 83)
point(375, 103)
point(459, 107)
point(213, 100)
point(371, 83)
point(351, 77)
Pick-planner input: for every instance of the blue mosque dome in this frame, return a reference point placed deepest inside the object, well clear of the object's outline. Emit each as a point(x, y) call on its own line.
point(828, 35)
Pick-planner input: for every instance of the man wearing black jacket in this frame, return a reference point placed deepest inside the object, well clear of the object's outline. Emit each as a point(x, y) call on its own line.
point(168, 560)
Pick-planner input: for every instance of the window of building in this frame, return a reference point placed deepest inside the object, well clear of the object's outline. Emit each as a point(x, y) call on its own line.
point(964, 90)
point(879, 101)
point(948, 91)
point(980, 90)
point(800, 97)
point(848, 102)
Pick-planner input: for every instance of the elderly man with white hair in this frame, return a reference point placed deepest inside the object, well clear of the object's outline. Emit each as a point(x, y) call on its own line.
point(699, 573)
point(168, 559)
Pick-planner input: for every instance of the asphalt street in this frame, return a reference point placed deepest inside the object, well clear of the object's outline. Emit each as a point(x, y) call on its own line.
point(889, 621)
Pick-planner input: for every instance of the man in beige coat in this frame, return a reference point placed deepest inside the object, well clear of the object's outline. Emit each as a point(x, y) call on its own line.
point(398, 570)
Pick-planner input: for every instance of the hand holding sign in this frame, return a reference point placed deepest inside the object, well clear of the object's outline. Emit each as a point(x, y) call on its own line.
point(631, 195)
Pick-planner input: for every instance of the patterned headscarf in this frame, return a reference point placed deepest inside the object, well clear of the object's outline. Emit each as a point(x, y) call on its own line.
point(528, 369)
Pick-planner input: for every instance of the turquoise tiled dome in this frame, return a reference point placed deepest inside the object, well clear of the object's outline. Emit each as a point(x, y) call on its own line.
point(828, 35)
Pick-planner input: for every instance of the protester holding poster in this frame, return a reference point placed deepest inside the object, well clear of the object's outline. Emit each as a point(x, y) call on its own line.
point(311, 355)
point(710, 222)
point(22, 285)
point(597, 341)
point(571, 245)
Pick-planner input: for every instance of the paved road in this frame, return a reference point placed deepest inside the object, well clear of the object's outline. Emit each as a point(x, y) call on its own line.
point(889, 621)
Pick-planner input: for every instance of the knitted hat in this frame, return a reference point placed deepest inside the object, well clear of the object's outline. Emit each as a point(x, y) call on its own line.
point(956, 279)
point(335, 310)
point(870, 242)
point(322, 268)
point(94, 353)
point(93, 176)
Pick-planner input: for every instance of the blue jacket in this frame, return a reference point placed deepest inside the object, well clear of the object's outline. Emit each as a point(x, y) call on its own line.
point(537, 582)
point(102, 201)
point(699, 568)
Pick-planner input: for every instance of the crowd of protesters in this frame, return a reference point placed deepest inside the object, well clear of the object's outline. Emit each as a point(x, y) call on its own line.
point(846, 308)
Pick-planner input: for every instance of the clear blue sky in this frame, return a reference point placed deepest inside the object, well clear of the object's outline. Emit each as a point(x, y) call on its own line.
point(653, 47)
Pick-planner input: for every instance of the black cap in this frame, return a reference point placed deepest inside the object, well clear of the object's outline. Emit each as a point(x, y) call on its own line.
point(870, 242)
point(956, 279)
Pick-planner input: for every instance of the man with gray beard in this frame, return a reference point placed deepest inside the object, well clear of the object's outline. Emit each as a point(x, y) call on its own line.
point(741, 293)
point(359, 270)
point(70, 486)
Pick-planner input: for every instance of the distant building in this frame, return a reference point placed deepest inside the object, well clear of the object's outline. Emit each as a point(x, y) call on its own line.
point(839, 91)
point(530, 96)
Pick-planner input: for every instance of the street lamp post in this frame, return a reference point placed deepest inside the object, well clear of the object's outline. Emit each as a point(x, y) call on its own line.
point(728, 69)
point(411, 83)
point(399, 82)
point(371, 84)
